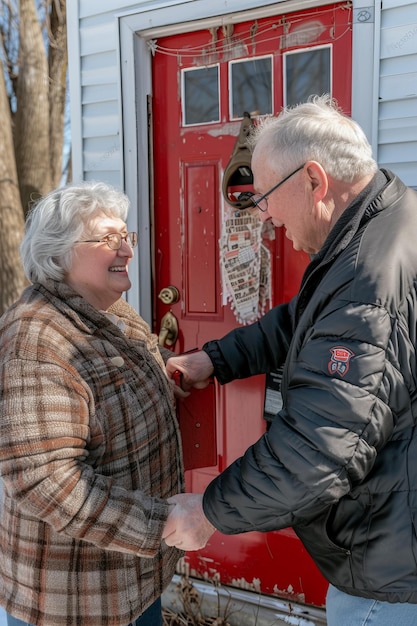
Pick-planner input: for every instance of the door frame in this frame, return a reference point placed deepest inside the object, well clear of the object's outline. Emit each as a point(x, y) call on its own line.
point(152, 22)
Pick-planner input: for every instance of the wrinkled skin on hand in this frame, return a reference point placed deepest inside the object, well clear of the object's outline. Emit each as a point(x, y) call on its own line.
point(187, 527)
point(195, 370)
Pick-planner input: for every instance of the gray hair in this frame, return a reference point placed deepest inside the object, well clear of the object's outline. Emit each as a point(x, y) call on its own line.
point(316, 130)
point(59, 219)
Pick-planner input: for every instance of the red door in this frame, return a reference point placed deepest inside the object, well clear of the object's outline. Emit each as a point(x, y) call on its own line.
point(225, 268)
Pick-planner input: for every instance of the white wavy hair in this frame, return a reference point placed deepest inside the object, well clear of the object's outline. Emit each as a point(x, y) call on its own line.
point(59, 219)
point(316, 130)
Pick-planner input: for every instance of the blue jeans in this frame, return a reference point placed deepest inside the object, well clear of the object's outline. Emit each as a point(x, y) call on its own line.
point(13, 621)
point(343, 609)
point(151, 617)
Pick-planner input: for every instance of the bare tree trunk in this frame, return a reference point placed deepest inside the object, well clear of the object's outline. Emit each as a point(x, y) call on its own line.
point(32, 147)
point(31, 136)
point(12, 279)
point(58, 62)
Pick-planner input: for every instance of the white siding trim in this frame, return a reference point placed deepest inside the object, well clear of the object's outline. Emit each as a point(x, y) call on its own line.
point(74, 77)
point(135, 85)
point(365, 68)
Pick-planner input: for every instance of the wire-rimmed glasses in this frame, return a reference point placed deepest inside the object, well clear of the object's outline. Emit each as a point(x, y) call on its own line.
point(260, 200)
point(114, 240)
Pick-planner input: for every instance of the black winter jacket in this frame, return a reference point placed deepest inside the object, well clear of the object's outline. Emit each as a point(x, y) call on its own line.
point(339, 462)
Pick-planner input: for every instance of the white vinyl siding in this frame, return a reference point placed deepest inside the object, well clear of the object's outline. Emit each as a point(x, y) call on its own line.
point(397, 117)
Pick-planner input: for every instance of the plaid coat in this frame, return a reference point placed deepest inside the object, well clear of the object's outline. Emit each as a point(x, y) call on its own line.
point(89, 452)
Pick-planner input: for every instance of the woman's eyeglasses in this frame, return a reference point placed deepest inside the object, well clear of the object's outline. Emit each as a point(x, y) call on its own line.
point(114, 240)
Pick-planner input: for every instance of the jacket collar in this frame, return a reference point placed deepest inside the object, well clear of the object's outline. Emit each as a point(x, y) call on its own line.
point(378, 194)
point(363, 207)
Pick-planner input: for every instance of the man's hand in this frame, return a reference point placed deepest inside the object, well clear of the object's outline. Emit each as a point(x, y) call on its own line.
point(194, 369)
point(187, 527)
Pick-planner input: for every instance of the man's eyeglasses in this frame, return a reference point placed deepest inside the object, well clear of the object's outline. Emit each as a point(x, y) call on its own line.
point(261, 201)
point(114, 240)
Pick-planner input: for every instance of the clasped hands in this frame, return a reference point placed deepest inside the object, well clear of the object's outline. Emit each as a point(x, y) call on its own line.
point(187, 528)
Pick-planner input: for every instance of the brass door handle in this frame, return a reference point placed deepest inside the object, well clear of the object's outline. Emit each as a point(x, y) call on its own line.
point(169, 295)
point(169, 330)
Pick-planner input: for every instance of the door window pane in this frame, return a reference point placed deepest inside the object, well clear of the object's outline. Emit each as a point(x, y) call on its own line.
point(200, 95)
point(307, 73)
point(250, 86)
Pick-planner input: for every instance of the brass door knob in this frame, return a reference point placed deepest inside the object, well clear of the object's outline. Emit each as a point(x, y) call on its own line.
point(169, 295)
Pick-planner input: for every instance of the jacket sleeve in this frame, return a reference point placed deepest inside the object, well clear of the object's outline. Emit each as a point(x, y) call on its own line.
point(326, 438)
point(47, 460)
point(256, 349)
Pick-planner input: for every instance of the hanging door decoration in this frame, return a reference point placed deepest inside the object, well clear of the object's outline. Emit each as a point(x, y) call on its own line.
point(245, 261)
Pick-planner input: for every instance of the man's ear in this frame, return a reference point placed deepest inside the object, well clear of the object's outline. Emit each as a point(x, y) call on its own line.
point(318, 180)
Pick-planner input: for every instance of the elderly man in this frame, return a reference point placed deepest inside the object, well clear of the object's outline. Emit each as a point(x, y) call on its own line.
point(339, 462)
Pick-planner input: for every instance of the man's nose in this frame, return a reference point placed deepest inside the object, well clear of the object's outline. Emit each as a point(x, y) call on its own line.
point(264, 216)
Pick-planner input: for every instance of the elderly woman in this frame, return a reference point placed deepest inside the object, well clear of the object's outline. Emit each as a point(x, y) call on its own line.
point(89, 446)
